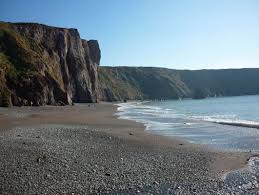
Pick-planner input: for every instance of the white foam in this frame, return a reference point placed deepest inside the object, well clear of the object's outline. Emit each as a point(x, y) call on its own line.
point(197, 129)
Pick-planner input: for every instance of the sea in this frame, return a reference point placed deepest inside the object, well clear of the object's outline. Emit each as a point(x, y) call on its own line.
point(221, 123)
point(226, 123)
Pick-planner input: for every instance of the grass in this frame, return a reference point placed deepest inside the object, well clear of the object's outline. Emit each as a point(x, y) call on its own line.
point(5, 97)
point(21, 56)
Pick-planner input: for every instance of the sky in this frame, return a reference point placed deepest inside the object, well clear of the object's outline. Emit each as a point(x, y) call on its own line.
point(178, 34)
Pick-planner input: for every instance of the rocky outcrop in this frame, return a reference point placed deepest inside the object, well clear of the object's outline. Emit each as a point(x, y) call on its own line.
point(131, 83)
point(47, 65)
point(42, 65)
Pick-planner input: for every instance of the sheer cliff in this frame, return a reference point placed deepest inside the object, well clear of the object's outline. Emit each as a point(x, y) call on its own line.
point(42, 65)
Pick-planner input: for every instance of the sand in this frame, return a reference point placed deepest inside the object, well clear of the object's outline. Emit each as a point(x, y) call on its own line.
point(86, 149)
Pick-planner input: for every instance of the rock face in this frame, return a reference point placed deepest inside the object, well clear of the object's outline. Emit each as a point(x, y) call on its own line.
point(42, 65)
point(131, 83)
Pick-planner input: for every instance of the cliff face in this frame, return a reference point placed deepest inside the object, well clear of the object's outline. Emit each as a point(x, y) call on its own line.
point(46, 65)
point(42, 65)
point(130, 83)
point(226, 82)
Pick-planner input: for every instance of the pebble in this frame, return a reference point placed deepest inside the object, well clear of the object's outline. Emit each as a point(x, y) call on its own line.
point(38, 160)
point(145, 169)
point(107, 174)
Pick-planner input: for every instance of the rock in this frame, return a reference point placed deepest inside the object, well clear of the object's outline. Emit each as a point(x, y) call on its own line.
point(198, 94)
point(66, 70)
point(107, 174)
point(38, 160)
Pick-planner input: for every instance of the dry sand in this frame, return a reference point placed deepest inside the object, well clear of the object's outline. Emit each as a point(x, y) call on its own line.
point(86, 149)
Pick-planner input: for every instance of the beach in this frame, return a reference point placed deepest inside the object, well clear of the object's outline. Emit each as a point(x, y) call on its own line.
point(86, 149)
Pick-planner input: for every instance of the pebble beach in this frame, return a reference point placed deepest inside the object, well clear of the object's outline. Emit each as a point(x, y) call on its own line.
point(85, 149)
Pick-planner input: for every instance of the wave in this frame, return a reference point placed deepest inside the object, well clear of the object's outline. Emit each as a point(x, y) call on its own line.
point(195, 127)
point(248, 124)
point(139, 110)
point(229, 119)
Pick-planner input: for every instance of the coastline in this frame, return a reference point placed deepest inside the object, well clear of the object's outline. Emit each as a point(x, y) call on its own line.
point(142, 161)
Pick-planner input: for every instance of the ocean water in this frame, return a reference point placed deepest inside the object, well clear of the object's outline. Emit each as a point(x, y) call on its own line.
point(227, 123)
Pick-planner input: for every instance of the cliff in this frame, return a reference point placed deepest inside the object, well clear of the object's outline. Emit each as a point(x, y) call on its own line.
point(120, 83)
point(42, 65)
point(130, 83)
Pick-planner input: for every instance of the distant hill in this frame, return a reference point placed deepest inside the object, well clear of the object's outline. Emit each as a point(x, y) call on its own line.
point(131, 83)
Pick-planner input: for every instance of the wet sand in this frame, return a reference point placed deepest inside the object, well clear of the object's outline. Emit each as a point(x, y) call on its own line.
point(85, 149)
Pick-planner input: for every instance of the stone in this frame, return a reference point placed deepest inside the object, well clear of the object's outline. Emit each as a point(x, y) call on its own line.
point(107, 174)
point(38, 160)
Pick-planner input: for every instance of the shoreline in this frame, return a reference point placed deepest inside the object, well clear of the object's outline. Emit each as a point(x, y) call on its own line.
point(99, 120)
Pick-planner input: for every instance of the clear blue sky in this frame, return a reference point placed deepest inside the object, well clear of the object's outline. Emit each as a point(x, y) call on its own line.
point(181, 34)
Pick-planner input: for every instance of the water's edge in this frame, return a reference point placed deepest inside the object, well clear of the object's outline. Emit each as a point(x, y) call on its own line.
point(245, 179)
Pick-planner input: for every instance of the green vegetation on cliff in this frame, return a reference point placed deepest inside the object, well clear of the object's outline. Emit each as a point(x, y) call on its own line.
point(119, 83)
point(21, 59)
point(130, 83)
point(41, 65)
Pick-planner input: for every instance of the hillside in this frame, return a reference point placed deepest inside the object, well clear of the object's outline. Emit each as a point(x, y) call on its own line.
point(129, 83)
point(42, 65)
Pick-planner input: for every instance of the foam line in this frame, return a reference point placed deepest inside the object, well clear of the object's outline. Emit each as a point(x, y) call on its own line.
point(238, 124)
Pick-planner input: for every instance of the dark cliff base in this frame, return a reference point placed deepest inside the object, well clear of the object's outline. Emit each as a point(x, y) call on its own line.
point(42, 65)
point(140, 83)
